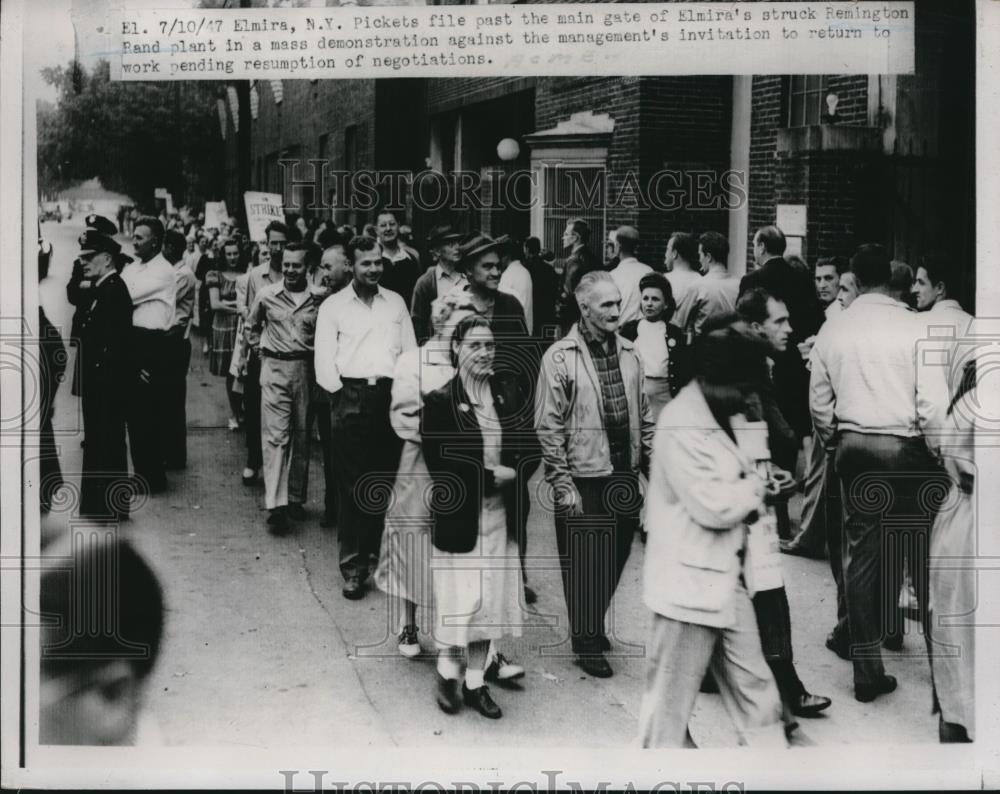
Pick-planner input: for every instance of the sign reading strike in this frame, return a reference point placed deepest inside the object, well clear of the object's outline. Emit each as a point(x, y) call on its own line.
point(262, 208)
point(215, 214)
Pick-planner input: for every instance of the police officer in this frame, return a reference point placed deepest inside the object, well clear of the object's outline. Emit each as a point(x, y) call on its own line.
point(105, 328)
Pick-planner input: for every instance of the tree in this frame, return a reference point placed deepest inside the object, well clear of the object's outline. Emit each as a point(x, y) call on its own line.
point(134, 136)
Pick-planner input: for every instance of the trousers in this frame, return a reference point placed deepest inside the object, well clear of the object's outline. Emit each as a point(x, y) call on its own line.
point(679, 654)
point(284, 428)
point(177, 358)
point(251, 412)
point(146, 407)
point(888, 513)
point(366, 455)
point(820, 502)
point(593, 550)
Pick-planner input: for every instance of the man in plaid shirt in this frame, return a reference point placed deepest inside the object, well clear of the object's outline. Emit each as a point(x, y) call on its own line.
point(596, 433)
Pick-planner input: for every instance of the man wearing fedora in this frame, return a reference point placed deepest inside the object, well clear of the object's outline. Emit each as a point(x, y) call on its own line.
point(516, 353)
point(153, 287)
point(104, 331)
point(439, 280)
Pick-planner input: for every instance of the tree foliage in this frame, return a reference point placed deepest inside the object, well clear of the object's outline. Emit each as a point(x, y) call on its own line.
point(134, 136)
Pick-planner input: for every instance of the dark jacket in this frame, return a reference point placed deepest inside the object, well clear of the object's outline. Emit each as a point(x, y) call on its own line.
point(105, 336)
point(401, 276)
point(452, 443)
point(544, 296)
point(679, 371)
point(805, 314)
point(578, 263)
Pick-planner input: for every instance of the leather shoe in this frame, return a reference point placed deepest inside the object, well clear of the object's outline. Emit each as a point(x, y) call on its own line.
point(596, 666)
point(447, 695)
point(866, 693)
point(481, 701)
point(296, 511)
point(838, 647)
point(605, 644)
point(806, 705)
point(277, 522)
point(353, 589)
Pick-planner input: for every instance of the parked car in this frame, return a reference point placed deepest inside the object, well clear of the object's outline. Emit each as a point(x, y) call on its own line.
point(50, 211)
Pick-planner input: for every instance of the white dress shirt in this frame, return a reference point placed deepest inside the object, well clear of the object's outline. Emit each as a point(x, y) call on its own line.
point(354, 340)
point(681, 282)
point(627, 276)
point(184, 299)
point(947, 341)
point(865, 376)
point(152, 286)
point(516, 281)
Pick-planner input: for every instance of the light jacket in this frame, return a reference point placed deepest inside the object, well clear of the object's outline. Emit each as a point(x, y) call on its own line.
point(701, 489)
point(569, 411)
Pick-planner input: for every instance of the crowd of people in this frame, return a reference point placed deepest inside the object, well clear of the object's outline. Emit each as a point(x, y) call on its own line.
point(673, 402)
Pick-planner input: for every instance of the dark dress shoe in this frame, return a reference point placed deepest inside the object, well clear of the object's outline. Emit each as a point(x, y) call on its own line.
point(806, 705)
point(277, 522)
point(296, 511)
point(530, 596)
point(481, 701)
point(952, 733)
point(605, 644)
point(596, 666)
point(893, 642)
point(447, 695)
point(838, 646)
point(866, 693)
point(353, 589)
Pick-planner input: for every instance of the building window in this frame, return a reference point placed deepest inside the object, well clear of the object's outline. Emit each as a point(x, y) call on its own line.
point(573, 191)
point(806, 99)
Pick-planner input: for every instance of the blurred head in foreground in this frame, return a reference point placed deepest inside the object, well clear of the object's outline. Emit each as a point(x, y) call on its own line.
point(102, 617)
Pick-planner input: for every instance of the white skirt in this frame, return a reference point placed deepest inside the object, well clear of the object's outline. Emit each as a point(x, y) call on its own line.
point(479, 595)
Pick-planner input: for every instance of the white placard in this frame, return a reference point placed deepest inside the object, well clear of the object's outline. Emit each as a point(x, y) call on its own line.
point(215, 214)
point(262, 208)
point(791, 219)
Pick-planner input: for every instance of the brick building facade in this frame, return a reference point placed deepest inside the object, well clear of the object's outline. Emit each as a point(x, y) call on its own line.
point(893, 164)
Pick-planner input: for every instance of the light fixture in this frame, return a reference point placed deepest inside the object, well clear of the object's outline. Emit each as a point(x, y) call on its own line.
point(508, 149)
point(832, 100)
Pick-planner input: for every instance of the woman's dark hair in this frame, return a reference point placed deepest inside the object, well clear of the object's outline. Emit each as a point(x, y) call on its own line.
point(462, 329)
point(725, 372)
point(658, 281)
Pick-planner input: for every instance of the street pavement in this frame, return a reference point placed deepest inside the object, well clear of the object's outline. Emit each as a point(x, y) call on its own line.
point(261, 649)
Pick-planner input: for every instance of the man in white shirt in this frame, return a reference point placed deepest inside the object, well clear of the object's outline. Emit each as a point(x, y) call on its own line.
point(259, 277)
point(947, 324)
point(628, 272)
point(152, 285)
point(516, 280)
point(714, 293)
point(178, 355)
point(437, 281)
point(360, 332)
point(868, 401)
point(679, 259)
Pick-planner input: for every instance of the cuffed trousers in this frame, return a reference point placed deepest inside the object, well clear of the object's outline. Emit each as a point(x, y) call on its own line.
point(284, 428)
